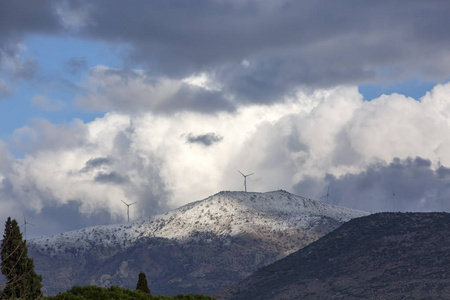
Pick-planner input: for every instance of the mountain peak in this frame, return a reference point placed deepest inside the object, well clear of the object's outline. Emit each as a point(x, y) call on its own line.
point(217, 241)
point(226, 213)
point(231, 213)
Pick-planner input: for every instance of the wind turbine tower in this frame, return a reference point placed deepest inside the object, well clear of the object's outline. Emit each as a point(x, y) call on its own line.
point(327, 196)
point(245, 179)
point(393, 197)
point(25, 226)
point(128, 208)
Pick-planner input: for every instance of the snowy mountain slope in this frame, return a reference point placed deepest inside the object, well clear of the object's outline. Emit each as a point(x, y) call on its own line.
point(231, 213)
point(202, 247)
point(223, 214)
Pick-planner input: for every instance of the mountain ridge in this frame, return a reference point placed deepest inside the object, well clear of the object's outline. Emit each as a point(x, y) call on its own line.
point(162, 225)
point(202, 247)
point(380, 256)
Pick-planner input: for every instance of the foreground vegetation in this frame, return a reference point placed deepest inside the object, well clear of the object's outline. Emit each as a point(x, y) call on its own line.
point(22, 282)
point(116, 293)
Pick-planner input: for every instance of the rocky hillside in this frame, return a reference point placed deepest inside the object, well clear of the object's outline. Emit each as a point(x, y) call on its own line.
point(202, 247)
point(381, 256)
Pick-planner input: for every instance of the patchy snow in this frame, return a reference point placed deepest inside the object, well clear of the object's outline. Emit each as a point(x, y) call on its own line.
point(220, 215)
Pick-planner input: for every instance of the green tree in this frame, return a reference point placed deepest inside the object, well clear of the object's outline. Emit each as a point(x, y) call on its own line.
point(116, 293)
point(142, 284)
point(18, 268)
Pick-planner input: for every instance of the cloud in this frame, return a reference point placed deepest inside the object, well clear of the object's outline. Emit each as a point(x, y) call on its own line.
point(409, 184)
point(13, 65)
point(49, 175)
point(4, 90)
point(133, 91)
point(97, 162)
point(46, 137)
point(24, 17)
point(443, 172)
point(204, 139)
point(46, 104)
point(110, 178)
point(66, 217)
point(72, 15)
point(363, 151)
point(265, 52)
point(76, 64)
point(57, 218)
point(275, 79)
point(285, 44)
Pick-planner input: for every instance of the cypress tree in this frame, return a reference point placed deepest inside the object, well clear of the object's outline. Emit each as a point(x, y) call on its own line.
point(18, 268)
point(142, 284)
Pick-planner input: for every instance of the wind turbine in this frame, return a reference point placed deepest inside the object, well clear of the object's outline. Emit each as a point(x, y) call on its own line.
point(245, 179)
point(392, 189)
point(128, 208)
point(328, 195)
point(393, 197)
point(25, 226)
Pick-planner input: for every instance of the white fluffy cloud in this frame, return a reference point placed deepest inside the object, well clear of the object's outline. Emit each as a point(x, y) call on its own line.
point(303, 144)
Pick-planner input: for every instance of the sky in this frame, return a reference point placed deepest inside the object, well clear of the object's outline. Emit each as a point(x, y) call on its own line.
point(162, 102)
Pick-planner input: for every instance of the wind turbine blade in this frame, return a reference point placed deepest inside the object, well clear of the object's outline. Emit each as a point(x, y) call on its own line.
point(241, 173)
point(133, 203)
point(124, 202)
point(250, 174)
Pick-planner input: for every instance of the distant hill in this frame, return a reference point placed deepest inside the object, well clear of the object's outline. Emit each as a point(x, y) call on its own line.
point(380, 256)
point(202, 247)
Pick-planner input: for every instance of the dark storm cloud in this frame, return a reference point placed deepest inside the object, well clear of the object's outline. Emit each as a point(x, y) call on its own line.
point(204, 139)
point(403, 185)
point(97, 162)
point(57, 218)
point(21, 17)
point(284, 43)
point(418, 162)
point(110, 178)
point(443, 172)
point(191, 98)
point(144, 93)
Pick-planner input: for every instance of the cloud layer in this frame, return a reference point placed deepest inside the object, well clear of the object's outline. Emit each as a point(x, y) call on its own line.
point(257, 51)
point(283, 45)
point(198, 89)
point(363, 151)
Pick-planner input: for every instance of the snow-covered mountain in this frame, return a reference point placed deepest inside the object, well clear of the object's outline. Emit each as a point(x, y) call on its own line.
point(221, 215)
point(271, 224)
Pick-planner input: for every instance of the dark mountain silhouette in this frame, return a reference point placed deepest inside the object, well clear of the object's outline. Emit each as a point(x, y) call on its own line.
point(380, 256)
